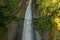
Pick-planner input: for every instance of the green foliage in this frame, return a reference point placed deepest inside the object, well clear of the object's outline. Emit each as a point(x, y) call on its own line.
point(47, 13)
point(2, 30)
point(13, 3)
point(6, 15)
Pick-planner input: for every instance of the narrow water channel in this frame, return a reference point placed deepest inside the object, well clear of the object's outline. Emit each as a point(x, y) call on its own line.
point(27, 33)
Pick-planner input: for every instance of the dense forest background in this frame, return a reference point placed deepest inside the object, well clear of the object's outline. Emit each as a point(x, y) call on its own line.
point(49, 19)
point(6, 15)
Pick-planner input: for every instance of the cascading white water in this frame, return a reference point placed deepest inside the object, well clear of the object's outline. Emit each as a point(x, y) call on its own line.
point(27, 33)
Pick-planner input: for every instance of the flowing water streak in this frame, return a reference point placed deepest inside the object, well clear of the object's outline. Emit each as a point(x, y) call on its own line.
point(27, 33)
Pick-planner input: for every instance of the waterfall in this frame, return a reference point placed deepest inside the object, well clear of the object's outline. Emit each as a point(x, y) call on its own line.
point(27, 33)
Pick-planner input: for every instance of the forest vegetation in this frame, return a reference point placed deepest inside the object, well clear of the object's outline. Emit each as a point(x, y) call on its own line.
point(6, 15)
point(49, 18)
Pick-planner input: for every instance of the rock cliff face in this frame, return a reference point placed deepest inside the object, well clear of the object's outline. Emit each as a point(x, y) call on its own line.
point(35, 15)
point(15, 27)
point(12, 30)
